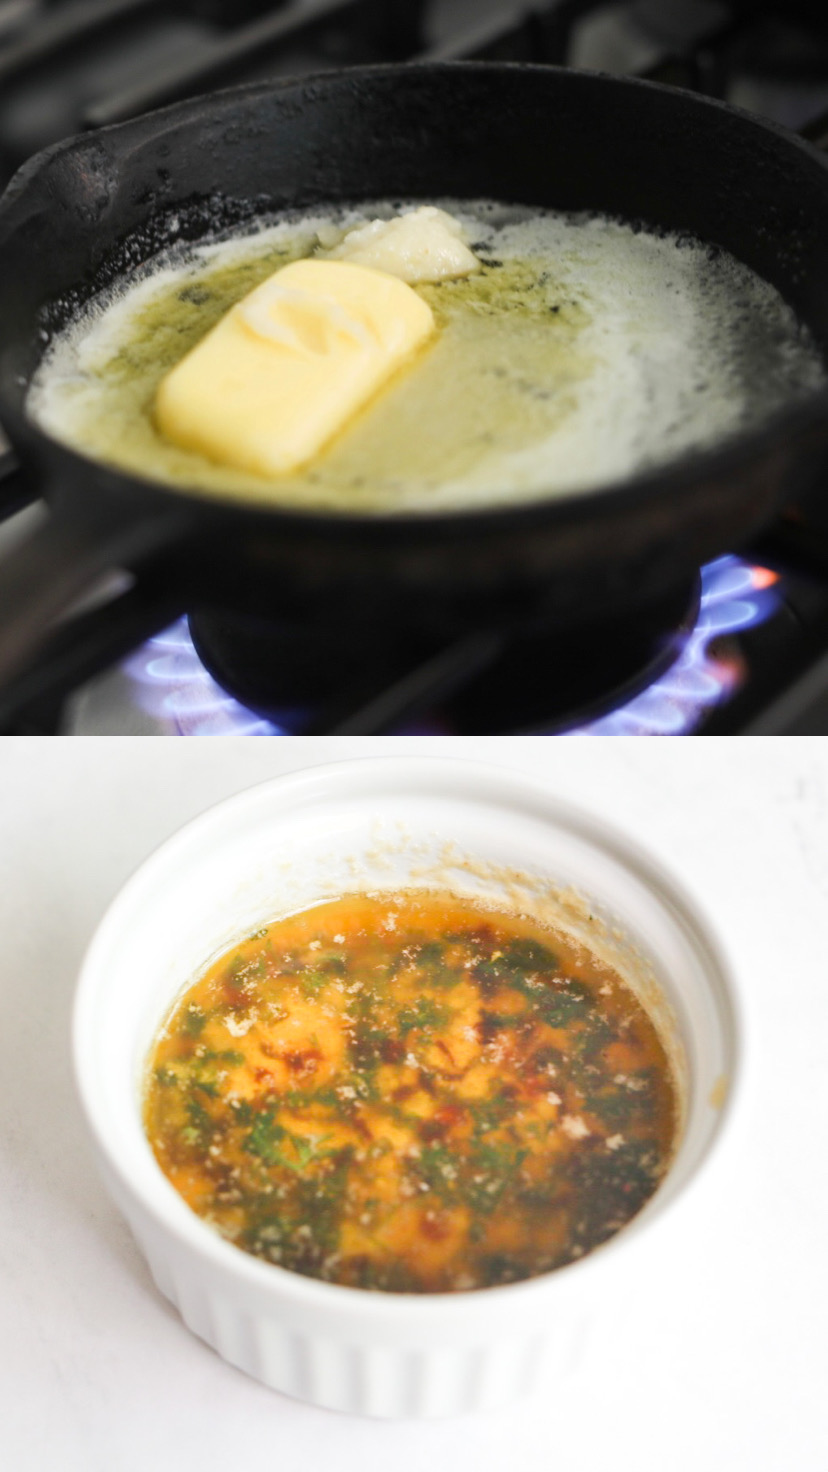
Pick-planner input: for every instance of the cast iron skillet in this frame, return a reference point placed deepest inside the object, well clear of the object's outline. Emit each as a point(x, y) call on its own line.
point(86, 210)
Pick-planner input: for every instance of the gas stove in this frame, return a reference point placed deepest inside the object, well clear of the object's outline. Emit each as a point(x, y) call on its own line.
point(744, 649)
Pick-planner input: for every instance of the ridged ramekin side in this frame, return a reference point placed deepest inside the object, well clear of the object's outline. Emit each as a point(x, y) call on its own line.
point(349, 1374)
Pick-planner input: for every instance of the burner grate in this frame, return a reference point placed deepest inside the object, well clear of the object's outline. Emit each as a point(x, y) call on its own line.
point(101, 61)
point(84, 63)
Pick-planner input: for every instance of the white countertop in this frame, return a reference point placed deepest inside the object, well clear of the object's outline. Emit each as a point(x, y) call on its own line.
point(726, 1363)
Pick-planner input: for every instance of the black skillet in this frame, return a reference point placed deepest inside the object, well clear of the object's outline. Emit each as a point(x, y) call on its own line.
point(85, 211)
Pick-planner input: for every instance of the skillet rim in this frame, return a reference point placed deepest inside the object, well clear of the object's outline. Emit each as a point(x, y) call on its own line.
point(677, 477)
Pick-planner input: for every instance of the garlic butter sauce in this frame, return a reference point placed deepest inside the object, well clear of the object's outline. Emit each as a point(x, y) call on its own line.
point(412, 1093)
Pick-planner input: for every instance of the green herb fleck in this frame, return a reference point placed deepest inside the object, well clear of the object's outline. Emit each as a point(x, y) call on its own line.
point(312, 981)
point(201, 1126)
point(424, 1014)
point(194, 1021)
point(268, 1139)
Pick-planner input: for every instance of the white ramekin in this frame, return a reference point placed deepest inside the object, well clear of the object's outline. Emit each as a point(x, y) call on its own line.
point(380, 824)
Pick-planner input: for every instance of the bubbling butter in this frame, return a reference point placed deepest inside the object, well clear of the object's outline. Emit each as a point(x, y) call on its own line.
point(581, 351)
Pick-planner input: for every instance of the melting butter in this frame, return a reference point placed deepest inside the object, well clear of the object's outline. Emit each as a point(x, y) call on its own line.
point(419, 245)
point(580, 351)
point(274, 380)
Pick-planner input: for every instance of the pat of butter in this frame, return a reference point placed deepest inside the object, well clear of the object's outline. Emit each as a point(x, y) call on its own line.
point(421, 245)
point(288, 366)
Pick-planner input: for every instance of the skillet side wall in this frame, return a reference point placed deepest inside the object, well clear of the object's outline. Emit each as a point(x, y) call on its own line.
point(556, 138)
point(85, 212)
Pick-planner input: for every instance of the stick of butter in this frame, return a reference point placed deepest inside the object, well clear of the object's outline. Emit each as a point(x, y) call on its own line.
point(290, 364)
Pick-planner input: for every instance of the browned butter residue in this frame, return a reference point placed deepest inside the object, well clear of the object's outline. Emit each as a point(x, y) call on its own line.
point(411, 1092)
point(719, 1092)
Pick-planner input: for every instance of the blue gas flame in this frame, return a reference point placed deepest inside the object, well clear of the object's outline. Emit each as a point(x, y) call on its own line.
point(734, 596)
point(175, 689)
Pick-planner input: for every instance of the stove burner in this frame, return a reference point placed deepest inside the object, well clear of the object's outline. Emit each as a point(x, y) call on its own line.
point(689, 672)
point(734, 597)
point(172, 686)
point(375, 679)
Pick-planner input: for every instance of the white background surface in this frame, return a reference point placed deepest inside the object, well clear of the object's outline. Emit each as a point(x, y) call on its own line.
point(724, 1365)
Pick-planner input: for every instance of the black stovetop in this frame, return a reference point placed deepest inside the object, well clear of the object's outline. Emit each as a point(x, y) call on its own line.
point(744, 650)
